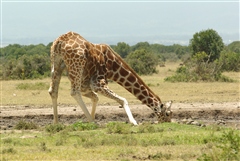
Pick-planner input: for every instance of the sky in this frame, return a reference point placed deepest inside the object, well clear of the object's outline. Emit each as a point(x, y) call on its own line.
point(164, 22)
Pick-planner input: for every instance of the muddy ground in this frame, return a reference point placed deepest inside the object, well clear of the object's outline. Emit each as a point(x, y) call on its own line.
point(225, 114)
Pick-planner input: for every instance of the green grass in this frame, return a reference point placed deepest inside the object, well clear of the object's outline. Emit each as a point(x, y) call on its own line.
point(167, 141)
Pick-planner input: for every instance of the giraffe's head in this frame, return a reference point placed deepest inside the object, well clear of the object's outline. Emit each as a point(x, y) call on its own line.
point(165, 114)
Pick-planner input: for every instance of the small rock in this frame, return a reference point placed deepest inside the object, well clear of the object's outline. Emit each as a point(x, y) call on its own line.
point(74, 109)
point(195, 123)
point(174, 121)
point(190, 122)
point(221, 122)
point(184, 121)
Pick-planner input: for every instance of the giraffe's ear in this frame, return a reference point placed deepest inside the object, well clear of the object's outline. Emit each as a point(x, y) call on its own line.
point(168, 105)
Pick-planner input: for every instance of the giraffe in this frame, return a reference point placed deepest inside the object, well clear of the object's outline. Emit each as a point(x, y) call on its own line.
point(89, 68)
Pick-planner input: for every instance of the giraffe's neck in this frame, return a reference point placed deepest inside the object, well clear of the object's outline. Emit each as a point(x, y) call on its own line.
point(121, 73)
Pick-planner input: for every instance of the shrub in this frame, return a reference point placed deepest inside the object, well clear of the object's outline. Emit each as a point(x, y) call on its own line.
point(230, 145)
point(54, 128)
point(80, 126)
point(198, 68)
point(159, 156)
point(230, 61)
point(9, 150)
point(142, 62)
point(43, 147)
point(149, 128)
point(118, 127)
point(226, 147)
point(23, 125)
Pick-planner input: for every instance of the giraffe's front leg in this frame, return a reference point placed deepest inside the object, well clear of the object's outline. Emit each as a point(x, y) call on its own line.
point(94, 105)
point(78, 97)
point(124, 104)
point(104, 90)
point(94, 98)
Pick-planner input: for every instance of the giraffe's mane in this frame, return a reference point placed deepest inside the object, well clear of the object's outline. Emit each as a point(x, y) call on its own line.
point(126, 66)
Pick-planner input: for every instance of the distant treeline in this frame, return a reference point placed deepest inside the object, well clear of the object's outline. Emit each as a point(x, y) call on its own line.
point(25, 61)
point(33, 61)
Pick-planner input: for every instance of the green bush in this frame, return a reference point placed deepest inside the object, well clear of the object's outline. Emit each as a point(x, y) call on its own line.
point(149, 128)
point(143, 62)
point(81, 126)
point(226, 147)
point(118, 127)
point(23, 125)
point(160, 156)
point(43, 147)
point(54, 128)
point(26, 67)
point(229, 143)
point(8, 150)
point(198, 68)
point(230, 61)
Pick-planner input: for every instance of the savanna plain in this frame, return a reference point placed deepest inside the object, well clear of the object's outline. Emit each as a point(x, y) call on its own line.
point(27, 132)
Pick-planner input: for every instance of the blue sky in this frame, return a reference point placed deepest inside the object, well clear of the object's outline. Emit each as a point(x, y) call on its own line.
point(164, 22)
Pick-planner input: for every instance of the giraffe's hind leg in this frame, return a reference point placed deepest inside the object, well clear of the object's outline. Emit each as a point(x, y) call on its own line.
point(57, 69)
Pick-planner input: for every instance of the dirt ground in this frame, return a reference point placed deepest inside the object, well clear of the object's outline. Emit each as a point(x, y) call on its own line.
point(225, 114)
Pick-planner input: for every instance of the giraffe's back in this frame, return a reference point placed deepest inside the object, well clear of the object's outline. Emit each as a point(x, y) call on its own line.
point(83, 59)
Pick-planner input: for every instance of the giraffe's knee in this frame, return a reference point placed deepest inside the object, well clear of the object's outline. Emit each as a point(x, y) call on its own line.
point(95, 97)
point(50, 90)
point(53, 94)
point(123, 102)
point(73, 93)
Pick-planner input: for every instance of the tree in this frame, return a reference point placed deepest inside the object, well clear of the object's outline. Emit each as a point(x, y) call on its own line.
point(234, 47)
point(143, 62)
point(141, 45)
point(207, 41)
point(122, 49)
